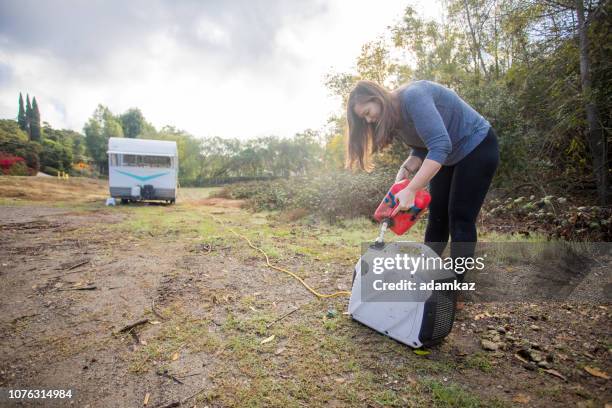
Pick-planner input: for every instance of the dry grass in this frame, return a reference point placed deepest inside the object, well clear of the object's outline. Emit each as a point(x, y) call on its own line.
point(221, 202)
point(76, 189)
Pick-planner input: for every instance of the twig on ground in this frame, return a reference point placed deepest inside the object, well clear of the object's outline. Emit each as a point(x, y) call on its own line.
point(189, 375)
point(76, 265)
point(281, 318)
point(23, 317)
point(131, 326)
point(166, 374)
point(91, 287)
point(62, 275)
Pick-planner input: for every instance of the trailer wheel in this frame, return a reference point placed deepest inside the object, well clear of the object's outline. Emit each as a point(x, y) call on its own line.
point(173, 201)
point(124, 201)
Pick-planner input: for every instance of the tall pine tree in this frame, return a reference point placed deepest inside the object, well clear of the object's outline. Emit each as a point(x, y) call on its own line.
point(35, 129)
point(28, 116)
point(21, 116)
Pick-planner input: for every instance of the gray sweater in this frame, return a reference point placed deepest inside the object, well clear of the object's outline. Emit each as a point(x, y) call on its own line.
point(441, 126)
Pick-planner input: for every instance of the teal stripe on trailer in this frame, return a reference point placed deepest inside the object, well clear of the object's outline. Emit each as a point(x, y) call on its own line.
point(142, 178)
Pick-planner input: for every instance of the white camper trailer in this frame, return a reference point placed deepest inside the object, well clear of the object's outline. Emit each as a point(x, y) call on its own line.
point(142, 169)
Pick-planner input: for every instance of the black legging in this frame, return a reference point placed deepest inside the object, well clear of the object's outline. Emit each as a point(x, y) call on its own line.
point(457, 193)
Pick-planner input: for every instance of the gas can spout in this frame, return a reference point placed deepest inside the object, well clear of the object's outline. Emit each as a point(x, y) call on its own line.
point(380, 241)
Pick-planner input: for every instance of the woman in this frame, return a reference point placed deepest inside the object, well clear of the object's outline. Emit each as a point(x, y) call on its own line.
point(454, 150)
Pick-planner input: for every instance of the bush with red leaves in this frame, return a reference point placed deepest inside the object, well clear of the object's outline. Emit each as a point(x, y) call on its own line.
point(7, 161)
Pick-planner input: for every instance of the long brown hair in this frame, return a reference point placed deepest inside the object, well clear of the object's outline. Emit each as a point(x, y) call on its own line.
point(365, 138)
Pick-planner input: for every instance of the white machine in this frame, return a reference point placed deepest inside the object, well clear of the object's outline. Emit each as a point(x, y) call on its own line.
point(414, 317)
point(142, 169)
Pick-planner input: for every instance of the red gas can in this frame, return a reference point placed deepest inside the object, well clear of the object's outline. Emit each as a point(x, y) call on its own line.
point(403, 220)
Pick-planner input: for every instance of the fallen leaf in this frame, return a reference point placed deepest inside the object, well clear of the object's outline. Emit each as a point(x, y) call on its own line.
point(482, 315)
point(521, 399)
point(143, 342)
point(279, 350)
point(146, 399)
point(154, 322)
point(556, 374)
point(175, 356)
point(268, 339)
point(252, 308)
point(420, 352)
point(595, 372)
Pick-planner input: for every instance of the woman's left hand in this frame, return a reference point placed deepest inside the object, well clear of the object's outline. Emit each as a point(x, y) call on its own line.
point(406, 200)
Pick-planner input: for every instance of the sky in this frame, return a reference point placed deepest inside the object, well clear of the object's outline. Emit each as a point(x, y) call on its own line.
point(235, 69)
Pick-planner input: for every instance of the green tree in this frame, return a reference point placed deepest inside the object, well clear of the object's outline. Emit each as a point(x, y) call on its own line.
point(35, 129)
point(133, 123)
point(217, 157)
point(189, 153)
point(28, 113)
point(374, 63)
point(69, 139)
point(21, 116)
point(98, 129)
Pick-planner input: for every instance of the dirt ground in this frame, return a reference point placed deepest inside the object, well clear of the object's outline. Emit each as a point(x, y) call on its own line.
point(213, 326)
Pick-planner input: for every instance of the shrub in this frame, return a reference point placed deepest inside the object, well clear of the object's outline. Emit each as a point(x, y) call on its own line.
point(14, 142)
point(55, 155)
point(13, 165)
point(8, 160)
point(18, 169)
point(334, 195)
point(50, 171)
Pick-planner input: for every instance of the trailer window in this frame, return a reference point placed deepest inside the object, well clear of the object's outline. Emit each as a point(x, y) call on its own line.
point(130, 160)
point(133, 160)
point(156, 161)
point(113, 160)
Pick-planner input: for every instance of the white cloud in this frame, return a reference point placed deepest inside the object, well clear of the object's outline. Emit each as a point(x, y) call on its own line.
point(226, 69)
